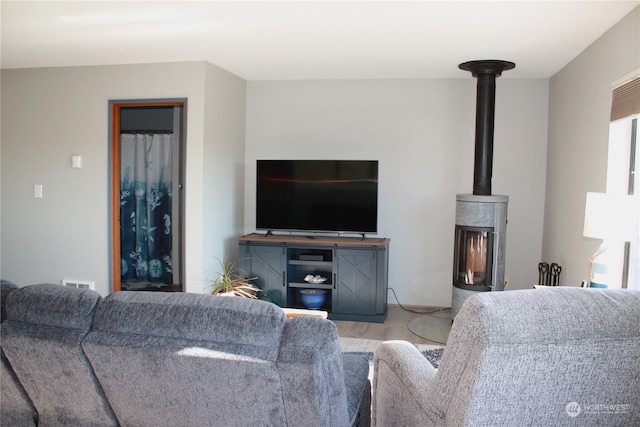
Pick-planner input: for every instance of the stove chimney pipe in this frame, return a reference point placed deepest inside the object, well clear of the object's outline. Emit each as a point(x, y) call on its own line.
point(486, 72)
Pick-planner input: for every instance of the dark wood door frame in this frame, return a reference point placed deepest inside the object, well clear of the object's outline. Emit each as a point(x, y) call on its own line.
point(115, 108)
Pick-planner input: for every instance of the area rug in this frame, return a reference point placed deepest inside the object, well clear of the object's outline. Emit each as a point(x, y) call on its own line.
point(433, 353)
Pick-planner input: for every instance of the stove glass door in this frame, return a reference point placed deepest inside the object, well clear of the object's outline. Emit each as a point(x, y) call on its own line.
point(473, 258)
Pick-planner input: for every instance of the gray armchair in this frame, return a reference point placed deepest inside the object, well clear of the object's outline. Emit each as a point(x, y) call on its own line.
point(560, 356)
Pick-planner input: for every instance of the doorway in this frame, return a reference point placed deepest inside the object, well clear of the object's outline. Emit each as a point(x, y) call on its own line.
point(147, 195)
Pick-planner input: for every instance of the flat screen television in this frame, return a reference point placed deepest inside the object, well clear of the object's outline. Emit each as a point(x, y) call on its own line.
point(317, 195)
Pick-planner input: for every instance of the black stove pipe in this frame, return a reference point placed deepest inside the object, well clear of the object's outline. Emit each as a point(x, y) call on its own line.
point(486, 72)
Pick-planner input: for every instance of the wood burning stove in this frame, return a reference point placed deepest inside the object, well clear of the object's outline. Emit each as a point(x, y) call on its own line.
point(479, 247)
point(481, 218)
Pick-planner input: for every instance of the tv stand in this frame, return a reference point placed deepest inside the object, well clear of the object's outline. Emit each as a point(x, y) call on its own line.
point(356, 269)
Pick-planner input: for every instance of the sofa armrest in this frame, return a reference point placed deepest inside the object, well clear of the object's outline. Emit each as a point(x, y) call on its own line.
point(402, 379)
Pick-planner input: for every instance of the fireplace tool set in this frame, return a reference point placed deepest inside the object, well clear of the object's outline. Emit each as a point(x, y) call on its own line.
point(549, 275)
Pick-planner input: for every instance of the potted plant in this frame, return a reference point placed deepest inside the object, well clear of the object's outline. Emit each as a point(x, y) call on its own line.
point(231, 281)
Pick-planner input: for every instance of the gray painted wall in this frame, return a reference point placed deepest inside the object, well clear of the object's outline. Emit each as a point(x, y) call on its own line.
point(422, 132)
point(50, 114)
point(579, 111)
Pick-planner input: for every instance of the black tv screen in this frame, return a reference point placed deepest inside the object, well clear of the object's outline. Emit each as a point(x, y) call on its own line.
point(317, 195)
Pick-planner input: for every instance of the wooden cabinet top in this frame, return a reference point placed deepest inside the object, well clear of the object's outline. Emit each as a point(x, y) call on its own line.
point(315, 240)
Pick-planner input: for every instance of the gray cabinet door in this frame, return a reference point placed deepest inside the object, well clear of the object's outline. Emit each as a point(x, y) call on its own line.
point(267, 264)
point(355, 288)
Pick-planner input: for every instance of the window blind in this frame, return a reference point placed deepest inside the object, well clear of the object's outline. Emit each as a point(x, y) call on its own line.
point(626, 100)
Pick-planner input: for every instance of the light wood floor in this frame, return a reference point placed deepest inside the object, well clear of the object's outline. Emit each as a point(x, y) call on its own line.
point(395, 326)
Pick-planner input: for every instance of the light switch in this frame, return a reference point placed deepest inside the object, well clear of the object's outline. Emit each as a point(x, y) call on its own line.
point(76, 162)
point(37, 191)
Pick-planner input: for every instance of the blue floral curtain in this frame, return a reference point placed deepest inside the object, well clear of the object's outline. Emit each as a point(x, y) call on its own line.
point(145, 210)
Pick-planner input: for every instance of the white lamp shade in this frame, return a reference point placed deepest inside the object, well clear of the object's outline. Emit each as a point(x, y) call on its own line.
point(610, 216)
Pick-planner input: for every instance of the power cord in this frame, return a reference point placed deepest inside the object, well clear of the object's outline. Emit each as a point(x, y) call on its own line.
point(414, 311)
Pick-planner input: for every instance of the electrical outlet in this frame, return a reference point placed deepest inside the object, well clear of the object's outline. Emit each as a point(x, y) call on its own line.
point(37, 191)
point(506, 281)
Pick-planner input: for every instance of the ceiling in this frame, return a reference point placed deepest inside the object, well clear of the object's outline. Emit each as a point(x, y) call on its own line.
point(295, 40)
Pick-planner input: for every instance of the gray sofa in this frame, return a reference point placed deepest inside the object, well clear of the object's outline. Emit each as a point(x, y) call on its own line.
point(169, 359)
point(559, 356)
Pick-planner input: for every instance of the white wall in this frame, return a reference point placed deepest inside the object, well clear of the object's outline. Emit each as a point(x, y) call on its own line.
point(50, 114)
point(422, 132)
point(579, 111)
point(223, 161)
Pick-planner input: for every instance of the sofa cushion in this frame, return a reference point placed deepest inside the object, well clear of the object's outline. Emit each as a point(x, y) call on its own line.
point(16, 409)
point(358, 388)
point(6, 287)
point(41, 339)
point(167, 359)
point(191, 316)
point(323, 387)
point(54, 306)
